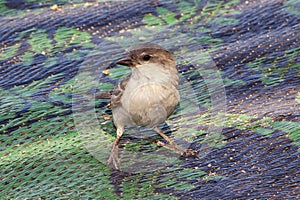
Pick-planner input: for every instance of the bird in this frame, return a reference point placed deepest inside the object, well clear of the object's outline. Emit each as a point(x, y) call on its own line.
point(147, 96)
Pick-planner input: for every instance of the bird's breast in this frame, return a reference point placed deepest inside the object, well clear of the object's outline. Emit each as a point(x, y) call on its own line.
point(150, 103)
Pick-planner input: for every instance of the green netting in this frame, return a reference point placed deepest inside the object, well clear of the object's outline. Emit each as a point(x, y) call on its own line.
point(239, 65)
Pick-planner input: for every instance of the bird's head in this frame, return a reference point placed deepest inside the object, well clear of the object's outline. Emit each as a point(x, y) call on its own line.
point(146, 54)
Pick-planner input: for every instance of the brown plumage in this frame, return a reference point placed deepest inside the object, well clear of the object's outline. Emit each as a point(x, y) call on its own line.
point(148, 96)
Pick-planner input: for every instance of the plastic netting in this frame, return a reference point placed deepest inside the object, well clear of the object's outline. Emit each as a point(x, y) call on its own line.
point(254, 46)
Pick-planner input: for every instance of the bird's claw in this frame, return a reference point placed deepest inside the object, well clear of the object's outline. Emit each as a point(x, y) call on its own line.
point(178, 150)
point(190, 152)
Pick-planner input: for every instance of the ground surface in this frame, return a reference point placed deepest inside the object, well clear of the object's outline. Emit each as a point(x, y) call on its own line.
point(239, 63)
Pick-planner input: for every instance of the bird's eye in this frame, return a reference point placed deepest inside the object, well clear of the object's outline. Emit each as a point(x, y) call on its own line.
point(146, 57)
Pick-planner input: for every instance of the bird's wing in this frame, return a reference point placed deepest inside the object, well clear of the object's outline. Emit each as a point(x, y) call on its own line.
point(118, 92)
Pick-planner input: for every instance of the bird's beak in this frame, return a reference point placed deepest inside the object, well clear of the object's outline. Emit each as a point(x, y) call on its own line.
point(127, 61)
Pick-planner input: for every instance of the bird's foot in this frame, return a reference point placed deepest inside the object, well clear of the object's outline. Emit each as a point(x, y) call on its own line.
point(178, 150)
point(113, 159)
point(191, 153)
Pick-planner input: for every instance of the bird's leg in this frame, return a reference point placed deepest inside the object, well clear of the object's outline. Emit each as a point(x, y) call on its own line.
point(173, 146)
point(114, 155)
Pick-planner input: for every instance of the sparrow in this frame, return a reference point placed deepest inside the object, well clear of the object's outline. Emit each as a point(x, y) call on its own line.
point(147, 97)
